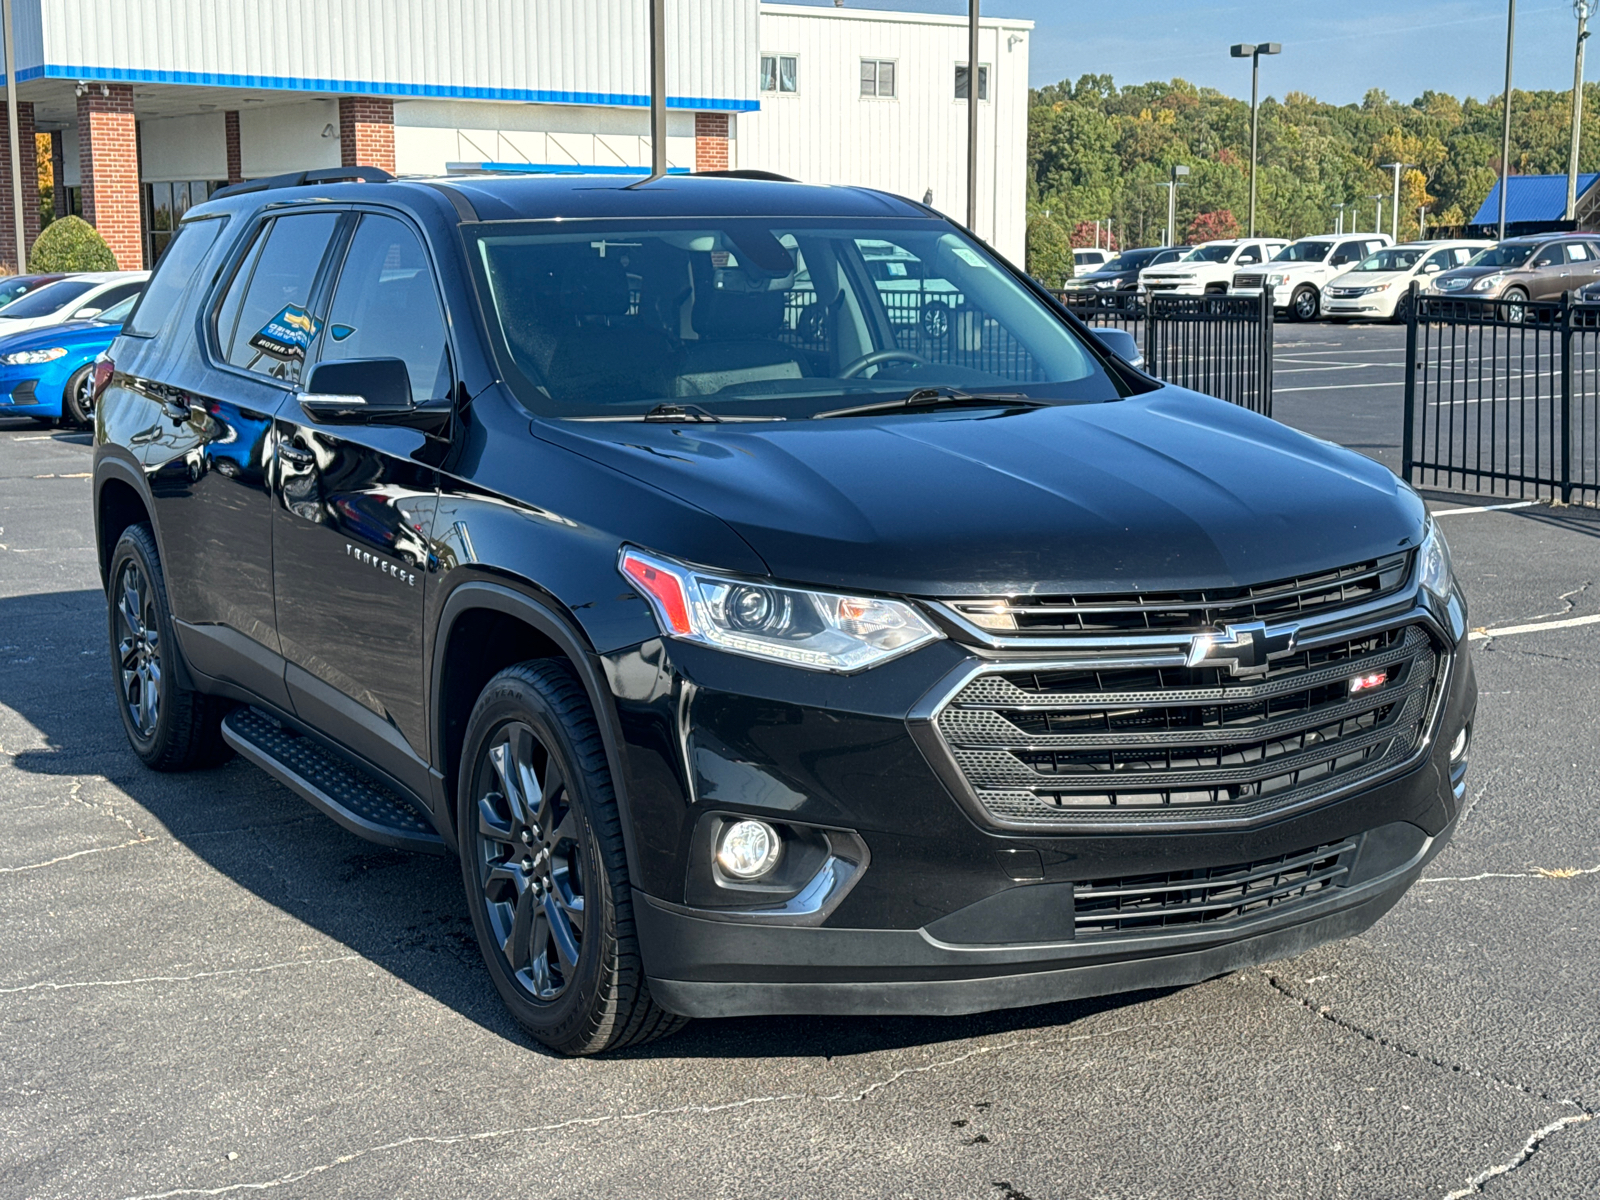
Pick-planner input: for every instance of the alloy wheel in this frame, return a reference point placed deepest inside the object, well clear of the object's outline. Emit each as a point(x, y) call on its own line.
point(84, 394)
point(138, 648)
point(529, 865)
point(1305, 305)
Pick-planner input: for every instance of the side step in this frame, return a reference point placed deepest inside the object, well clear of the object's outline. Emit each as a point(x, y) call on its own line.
point(361, 804)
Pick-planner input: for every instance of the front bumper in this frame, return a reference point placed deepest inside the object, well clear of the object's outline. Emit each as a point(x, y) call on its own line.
point(931, 914)
point(35, 394)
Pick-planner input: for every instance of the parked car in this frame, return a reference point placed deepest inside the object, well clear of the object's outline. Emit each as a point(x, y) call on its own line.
point(1209, 267)
point(1089, 260)
point(1379, 287)
point(48, 373)
point(1116, 283)
point(15, 286)
point(747, 674)
point(1538, 267)
point(1298, 272)
point(75, 298)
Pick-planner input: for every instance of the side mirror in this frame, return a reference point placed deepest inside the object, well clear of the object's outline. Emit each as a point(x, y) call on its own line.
point(1338, 260)
point(1430, 268)
point(1121, 343)
point(357, 391)
point(83, 314)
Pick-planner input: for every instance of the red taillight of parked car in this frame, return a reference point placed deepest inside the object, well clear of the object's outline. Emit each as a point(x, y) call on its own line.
point(103, 367)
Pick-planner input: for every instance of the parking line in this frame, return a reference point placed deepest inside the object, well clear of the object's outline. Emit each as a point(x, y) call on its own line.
point(1479, 635)
point(1453, 512)
point(1340, 387)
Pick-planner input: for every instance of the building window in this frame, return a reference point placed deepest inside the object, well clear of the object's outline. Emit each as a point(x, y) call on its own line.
point(877, 77)
point(780, 73)
point(962, 82)
point(164, 206)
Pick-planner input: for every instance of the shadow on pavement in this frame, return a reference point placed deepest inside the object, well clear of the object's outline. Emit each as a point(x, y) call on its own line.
point(406, 913)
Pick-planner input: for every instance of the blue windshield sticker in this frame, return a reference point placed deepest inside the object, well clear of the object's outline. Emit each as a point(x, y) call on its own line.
point(286, 336)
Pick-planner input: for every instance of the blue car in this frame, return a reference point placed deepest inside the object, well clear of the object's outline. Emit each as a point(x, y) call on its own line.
point(48, 373)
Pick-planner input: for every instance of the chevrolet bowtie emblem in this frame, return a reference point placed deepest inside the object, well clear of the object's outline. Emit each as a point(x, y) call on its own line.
point(1242, 649)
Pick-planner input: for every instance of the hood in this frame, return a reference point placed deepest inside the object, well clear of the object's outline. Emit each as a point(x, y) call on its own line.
point(1365, 279)
point(1471, 273)
point(66, 333)
point(1163, 491)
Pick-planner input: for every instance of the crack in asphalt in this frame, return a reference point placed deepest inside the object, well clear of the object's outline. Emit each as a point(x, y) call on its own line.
point(1529, 1148)
point(1325, 1013)
point(1536, 873)
point(846, 1097)
point(50, 862)
point(50, 985)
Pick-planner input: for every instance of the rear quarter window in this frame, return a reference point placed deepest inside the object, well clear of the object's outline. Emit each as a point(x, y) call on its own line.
point(177, 267)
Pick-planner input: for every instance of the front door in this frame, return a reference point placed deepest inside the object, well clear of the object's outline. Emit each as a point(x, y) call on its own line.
point(351, 555)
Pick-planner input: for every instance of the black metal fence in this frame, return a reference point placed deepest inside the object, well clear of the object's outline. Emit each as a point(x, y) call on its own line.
point(1220, 345)
point(1502, 397)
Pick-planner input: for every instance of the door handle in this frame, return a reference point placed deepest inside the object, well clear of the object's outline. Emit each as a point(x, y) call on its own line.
point(176, 410)
point(296, 456)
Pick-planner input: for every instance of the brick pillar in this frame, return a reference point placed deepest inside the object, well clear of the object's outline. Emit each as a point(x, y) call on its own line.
point(108, 163)
point(710, 141)
point(235, 157)
point(28, 152)
point(366, 132)
point(58, 173)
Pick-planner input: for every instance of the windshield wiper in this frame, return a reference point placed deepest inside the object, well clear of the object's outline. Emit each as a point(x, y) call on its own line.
point(928, 397)
point(681, 412)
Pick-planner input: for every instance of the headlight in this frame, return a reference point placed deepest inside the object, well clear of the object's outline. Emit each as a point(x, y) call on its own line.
point(1436, 573)
point(1487, 282)
point(1103, 284)
point(823, 631)
point(29, 357)
point(1275, 280)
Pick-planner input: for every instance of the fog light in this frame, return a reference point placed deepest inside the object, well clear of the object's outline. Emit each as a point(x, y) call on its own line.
point(748, 849)
point(1459, 746)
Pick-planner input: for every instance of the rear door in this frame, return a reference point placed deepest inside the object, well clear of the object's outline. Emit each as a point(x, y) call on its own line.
point(351, 555)
point(1582, 264)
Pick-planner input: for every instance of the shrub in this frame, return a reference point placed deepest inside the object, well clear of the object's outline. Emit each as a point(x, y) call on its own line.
point(71, 244)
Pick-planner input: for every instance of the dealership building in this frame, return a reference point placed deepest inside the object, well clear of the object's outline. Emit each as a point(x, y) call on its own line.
point(152, 106)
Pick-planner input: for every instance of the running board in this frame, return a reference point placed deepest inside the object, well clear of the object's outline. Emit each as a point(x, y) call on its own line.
point(361, 804)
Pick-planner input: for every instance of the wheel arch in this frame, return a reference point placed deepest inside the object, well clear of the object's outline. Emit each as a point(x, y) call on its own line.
point(119, 503)
point(485, 627)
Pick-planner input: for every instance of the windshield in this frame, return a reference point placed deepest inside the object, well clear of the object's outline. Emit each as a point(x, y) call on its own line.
point(1130, 260)
point(10, 289)
point(764, 317)
point(118, 312)
point(1506, 254)
point(1219, 254)
point(1303, 252)
point(48, 300)
point(1390, 260)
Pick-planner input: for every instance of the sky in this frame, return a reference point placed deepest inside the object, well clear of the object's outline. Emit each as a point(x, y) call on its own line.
point(1333, 51)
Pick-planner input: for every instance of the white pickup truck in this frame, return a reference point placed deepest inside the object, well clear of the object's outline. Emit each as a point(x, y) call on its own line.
point(1209, 267)
point(1298, 273)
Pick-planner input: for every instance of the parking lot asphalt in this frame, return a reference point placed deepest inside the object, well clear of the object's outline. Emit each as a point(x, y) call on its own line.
point(207, 988)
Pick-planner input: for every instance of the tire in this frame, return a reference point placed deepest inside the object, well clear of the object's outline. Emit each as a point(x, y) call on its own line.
point(170, 728)
point(1515, 306)
point(1402, 310)
point(77, 398)
point(546, 876)
point(1306, 304)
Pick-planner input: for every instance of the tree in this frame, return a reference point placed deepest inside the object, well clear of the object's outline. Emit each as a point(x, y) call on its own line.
point(1210, 226)
point(71, 244)
point(1086, 233)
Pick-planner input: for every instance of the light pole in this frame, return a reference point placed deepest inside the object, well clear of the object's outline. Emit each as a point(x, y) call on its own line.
point(1254, 53)
point(974, 75)
point(1172, 186)
point(1583, 9)
point(1339, 213)
point(1394, 206)
point(1377, 216)
point(1505, 136)
point(1422, 222)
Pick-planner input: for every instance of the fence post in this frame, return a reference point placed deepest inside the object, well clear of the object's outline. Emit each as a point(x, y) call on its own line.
point(1566, 397)
point(1265, 335)
point(1150, 334)
point(1406, 456)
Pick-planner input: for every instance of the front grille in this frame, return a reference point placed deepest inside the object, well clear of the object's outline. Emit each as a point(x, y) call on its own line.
point(1191, 612)
point(1143, 904)
point(1077, 745)
point(1247, 281)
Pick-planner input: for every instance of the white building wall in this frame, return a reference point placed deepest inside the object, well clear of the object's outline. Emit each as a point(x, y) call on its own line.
point(580, 51)
point(827, 132)
point(430, 134)
point(176, 149)
point(277, 138)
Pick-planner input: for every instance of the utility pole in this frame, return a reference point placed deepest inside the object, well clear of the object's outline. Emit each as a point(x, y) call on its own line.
point(1377, 217)
point(1394, 207)
point(1172, 186)
point(973, 75)
point(1583, 10)
point(15, 147)
point(1505, 136)
point(1254, 53)
point(1422, 222)
point(1338, 209)
point(658, 88)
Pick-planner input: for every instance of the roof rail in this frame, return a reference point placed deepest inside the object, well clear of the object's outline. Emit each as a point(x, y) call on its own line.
point(771, 176)
point(301, 178)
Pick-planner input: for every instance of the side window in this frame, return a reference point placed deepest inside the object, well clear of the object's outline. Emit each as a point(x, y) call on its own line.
point(1461, 254)
point(1352, 252)
point(1440, 260)
point(386, 306)
point(115, 295)
point(1548, 257)
point(1577, 252)
point(264, 323)
point(1249, 255)
point(179, 262)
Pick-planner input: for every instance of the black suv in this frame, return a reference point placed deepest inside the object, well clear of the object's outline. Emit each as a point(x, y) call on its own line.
point(755, 649)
